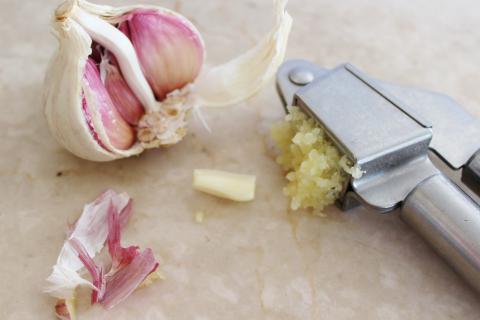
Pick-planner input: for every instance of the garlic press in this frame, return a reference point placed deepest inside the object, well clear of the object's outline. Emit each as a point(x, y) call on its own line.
point(410, 143)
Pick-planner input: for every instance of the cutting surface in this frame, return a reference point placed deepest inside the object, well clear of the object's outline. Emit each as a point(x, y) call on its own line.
point(245, 261)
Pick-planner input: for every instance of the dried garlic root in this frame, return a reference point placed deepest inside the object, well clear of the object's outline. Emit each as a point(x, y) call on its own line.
point(232, 186)
point(315, 168)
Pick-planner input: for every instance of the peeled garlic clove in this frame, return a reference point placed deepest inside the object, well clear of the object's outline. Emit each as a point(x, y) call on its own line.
point(232, 186)
point(122, 96)
point(169, 48)
point(119, 134)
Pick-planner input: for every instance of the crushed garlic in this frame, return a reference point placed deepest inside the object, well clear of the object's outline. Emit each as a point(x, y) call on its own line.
point(315, 168)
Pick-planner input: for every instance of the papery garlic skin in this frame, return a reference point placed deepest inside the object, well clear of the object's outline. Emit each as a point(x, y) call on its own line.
point(119, 133)
point(63, 94)
point(245, 75)
point(91, 230)
point(112, 281)
point(160, 55)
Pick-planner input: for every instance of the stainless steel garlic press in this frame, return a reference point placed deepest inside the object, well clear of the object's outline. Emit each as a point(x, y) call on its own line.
point(409, 142)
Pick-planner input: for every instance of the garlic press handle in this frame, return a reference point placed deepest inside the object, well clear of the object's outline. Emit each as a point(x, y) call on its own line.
point(449, 220)
point(471, 173)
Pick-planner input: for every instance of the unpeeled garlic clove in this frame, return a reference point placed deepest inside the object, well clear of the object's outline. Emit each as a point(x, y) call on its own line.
point(122, 96)
point(169, 48)
point(120, 134)
point(159, 55)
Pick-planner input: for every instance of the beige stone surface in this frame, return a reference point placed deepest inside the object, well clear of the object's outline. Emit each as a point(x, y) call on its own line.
point(245, 261)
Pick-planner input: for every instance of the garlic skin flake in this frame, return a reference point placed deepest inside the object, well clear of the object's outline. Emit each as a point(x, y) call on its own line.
point(150, 74)
point(112, 280)
point(91, 230)
point(242, 77)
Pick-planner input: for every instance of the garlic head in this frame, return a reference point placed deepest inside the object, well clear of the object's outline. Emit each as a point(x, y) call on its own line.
point(124, 79)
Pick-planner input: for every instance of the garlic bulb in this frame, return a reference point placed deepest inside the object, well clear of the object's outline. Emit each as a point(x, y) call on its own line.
point(124, 79)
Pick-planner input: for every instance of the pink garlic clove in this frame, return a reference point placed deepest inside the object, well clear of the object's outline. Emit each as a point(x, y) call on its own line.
point(120, 134)
point(122, 96)
point(169, 48)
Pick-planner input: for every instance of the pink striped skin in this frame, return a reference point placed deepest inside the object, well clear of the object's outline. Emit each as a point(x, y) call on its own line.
point(122, 96)
point(120, 256)
point(122, 283)
point(120, 134)
point(125, 214)
point(129, 268)
point(170, 51)
point(88, 119)
point(97, 273)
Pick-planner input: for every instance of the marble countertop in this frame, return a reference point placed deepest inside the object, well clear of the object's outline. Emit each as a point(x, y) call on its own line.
point(245, 261)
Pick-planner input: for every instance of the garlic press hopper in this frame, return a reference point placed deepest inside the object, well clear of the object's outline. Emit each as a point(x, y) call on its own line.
point(407, 141)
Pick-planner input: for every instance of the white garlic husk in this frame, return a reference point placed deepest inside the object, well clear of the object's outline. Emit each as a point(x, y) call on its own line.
point(78, 106)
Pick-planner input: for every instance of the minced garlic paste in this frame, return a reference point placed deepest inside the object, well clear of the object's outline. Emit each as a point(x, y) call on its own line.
point(316, 170)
